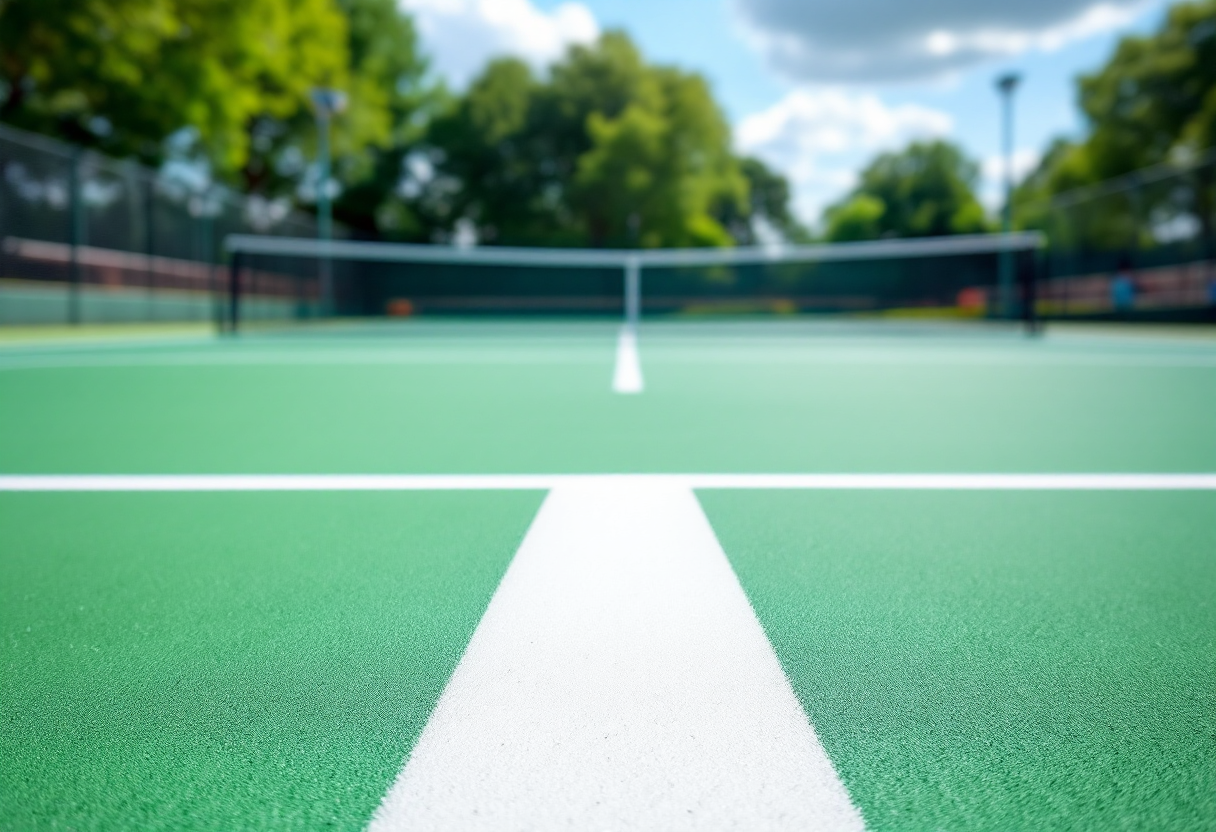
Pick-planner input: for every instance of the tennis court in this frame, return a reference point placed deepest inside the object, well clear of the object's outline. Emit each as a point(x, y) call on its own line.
point(440, 574)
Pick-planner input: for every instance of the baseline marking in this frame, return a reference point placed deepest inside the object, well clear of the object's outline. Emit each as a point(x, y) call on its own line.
point(618, 680)
point(544, 482)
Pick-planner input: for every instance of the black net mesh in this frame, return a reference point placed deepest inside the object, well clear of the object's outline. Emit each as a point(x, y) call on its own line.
point(947, 284)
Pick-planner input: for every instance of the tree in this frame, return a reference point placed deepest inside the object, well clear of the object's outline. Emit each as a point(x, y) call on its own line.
point(380, 69)
point(662, 166)
point(1155, 96)
point(925, 190)
point(1154, 101)
point(768, 207)
point(602, 149)
point(857, 218)
point(494, 162)
point(71, 68)
point(390, 99)
point(125, 75)
point(606, 150)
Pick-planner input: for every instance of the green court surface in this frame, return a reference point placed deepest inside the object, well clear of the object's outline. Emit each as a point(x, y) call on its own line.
point(996, 661)
point(985, 659)
point(228, 661)
point(536, 398)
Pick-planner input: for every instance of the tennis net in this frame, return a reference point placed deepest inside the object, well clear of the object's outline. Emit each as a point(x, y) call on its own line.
point(945, 276)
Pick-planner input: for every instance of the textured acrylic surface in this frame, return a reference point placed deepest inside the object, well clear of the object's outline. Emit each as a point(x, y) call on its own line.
point(221, 661)
point(995, 661)
point(538, 398)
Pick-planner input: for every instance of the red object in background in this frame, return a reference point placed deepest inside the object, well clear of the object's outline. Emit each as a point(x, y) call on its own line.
point(400, 307)
point(972, 297)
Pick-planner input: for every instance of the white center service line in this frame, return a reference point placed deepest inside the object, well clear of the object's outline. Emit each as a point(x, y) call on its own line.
point(543, 482)
point(627, 375)
point(618, 680)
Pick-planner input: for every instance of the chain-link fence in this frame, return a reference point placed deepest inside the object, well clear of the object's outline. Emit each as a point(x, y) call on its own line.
point(86, 238)
point(1139, 247)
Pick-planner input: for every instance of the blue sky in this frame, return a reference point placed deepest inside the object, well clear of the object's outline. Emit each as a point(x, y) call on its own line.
point(817, 87)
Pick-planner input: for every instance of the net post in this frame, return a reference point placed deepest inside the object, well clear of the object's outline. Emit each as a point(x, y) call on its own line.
point(234, 291)
point(633, 292)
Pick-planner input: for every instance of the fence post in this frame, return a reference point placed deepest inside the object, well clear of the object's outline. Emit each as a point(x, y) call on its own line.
point(234, 292)
point(206, 229)
point(149, 239)
point(1205, 209)
point(75, 235)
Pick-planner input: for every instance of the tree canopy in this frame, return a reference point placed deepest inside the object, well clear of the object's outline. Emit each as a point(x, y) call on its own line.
point(1155, 96)
point(1153, 101)
point(925, 190)
point(604, 150)
point(125, 75)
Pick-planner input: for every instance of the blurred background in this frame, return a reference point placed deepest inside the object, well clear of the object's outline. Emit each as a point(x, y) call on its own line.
point(136, 135)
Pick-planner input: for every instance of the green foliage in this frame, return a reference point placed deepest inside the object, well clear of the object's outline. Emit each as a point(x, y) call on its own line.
point(768, 204)
point(1065, 166)
point(1156, 95)
point(925, 190)
point(1154, 101)
point(604, 149)
point(125, 75)
point(389, 99)
point(858, 218)
point(492, 166)
point(661, 166)
point(607, 150)
point(380, 70)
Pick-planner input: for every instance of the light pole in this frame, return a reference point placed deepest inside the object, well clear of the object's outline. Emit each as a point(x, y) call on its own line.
point(327, 103)
point(1006, 85)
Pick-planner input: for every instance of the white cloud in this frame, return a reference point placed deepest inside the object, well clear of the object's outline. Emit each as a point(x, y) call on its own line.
point(819, 139)
point(897, 40)
point(461, 35)
point(992, 183)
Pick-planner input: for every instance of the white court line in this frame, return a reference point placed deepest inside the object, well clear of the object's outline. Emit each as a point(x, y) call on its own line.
point(542, 482)
point(803, 356)
point(627, 376)
point(277, 359)
point(618, 680)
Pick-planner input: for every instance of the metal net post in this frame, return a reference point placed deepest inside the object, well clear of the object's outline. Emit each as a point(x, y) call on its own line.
point(633, 292)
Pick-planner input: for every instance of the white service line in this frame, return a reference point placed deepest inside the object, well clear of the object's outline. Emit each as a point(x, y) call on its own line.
point(619, 680)
point(627, 375)
point(542, 482)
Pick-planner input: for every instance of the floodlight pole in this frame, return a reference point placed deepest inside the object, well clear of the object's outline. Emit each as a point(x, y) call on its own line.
point(326, 103)
point(1007, 84)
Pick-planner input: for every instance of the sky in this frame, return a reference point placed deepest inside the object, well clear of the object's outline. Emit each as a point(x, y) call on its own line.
point(816, 88)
